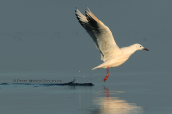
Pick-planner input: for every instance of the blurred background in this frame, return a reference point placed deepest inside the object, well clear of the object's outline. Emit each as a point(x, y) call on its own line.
point(44, 35)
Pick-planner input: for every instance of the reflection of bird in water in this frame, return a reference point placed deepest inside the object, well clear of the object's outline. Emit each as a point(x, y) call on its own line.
point(106, 91)
point(111, 54)
point(114, 105)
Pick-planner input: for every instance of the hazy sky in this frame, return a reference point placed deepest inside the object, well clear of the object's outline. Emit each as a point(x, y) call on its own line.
point(44, 35)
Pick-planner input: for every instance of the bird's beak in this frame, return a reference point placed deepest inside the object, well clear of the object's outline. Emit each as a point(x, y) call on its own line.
point(145, 49)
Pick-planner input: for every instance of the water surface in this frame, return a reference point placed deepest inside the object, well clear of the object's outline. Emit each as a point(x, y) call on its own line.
point(122, 93)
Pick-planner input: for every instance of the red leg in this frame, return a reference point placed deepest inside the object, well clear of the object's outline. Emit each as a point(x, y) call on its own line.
point(107, 74)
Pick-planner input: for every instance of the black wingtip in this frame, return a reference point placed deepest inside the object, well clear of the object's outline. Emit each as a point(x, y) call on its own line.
point(75, 10)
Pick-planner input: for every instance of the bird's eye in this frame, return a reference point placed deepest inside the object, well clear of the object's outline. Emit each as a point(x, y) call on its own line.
point(140, 46)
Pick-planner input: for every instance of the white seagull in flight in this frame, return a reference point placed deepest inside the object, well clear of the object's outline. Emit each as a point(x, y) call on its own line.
point(111, 54)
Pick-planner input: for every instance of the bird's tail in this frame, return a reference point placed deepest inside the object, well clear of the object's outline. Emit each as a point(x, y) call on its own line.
point(100, 66)
point(95, 68)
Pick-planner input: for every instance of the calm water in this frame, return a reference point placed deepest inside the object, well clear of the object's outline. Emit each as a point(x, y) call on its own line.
point(122, 93)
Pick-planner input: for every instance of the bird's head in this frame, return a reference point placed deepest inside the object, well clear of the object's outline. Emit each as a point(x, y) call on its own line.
point(140, 47)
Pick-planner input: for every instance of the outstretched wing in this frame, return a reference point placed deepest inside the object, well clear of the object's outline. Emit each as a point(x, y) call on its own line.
point(100, 34)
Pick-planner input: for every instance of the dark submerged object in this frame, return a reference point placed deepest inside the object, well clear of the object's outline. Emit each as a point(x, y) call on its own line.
point(72, 83)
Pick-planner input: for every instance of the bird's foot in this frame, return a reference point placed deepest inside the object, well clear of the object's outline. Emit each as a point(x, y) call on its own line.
point(106, 77)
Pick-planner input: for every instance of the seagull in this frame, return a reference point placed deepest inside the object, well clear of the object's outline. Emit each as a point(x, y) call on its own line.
point(111, 54)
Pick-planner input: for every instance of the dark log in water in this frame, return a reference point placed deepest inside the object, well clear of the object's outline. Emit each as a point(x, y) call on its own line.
point(70, 84)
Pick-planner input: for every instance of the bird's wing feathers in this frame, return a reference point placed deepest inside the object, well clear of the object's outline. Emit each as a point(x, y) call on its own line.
point(100, 34)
